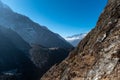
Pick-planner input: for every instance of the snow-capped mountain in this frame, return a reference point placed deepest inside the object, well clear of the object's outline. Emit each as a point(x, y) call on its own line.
point(75, 39)
point(30, 31)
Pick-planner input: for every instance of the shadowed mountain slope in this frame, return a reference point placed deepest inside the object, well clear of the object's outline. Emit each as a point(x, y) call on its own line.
point(14, 56)
point(30, 31)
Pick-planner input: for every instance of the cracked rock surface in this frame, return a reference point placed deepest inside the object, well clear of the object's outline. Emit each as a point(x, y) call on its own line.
point(97, 56)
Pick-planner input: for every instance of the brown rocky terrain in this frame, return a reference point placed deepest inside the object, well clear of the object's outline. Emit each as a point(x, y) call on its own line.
point(97, 56)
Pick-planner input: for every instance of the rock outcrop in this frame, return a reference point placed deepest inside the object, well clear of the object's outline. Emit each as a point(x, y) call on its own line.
point(97, 56)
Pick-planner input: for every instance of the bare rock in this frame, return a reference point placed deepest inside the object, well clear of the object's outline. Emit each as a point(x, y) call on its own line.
point(97, 56)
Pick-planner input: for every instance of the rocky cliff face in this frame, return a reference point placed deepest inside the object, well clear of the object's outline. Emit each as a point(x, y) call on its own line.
point(97, 56)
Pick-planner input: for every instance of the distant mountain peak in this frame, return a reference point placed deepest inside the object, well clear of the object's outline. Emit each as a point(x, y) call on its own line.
point(97, 57)
point(76, 35)
point(75, 39)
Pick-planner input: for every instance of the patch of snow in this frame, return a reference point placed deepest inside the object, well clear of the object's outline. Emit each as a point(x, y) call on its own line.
point(75, 39)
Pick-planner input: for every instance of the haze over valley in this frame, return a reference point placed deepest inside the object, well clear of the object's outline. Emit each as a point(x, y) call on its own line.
point(59, 40)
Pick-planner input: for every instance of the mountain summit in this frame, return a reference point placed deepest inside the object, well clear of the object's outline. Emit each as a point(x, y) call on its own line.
point(30, 31)
point(97, 57)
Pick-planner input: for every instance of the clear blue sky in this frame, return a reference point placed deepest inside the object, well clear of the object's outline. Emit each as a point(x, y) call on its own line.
point(65, 17)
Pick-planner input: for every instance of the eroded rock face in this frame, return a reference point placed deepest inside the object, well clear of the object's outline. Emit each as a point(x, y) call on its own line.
point(97, 56)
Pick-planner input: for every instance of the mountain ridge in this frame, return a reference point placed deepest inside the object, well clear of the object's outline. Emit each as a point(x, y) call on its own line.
point(75, 39)
point(27, 46)
point(31, 32)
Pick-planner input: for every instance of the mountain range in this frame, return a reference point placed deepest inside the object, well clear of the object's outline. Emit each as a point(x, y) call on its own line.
point(75, 39)
point(27, 49)
point(31, 32)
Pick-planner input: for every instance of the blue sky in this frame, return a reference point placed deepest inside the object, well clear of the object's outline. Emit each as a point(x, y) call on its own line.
point(65, 17)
